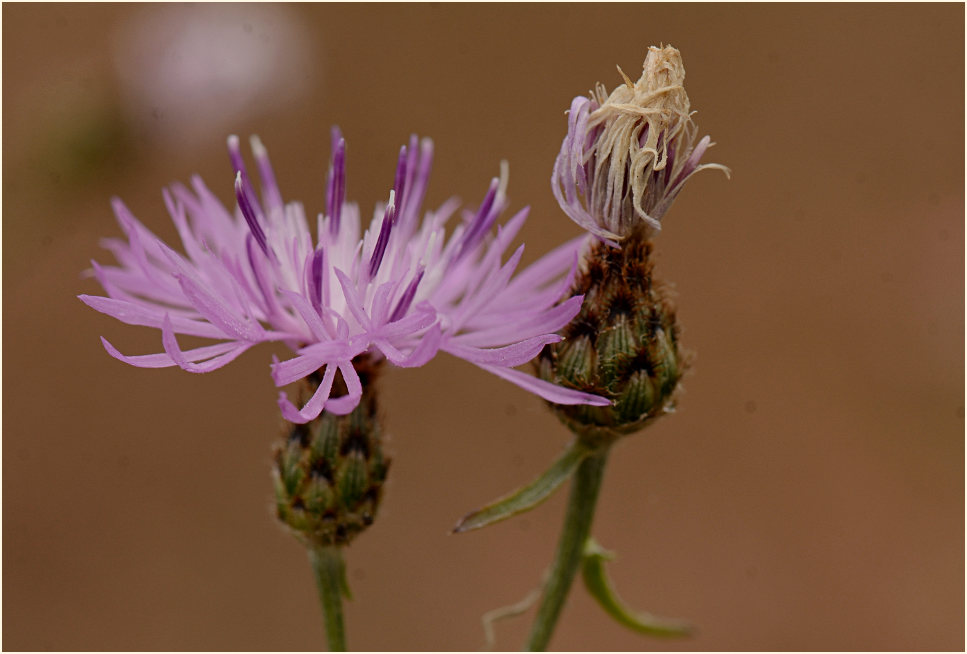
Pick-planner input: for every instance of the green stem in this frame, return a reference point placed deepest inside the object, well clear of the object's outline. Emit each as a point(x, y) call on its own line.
point(330, 573)
point(570, 548)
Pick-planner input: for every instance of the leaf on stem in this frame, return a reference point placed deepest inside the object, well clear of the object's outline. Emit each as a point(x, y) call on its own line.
point(600, 587)
point(526, 498)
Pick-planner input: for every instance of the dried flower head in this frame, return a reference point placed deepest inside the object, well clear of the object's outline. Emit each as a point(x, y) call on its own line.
point(627, 155)
point(402, 290)
point(624, 160)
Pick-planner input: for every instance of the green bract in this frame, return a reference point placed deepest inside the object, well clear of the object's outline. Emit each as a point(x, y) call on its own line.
point(329, 473)
point(623, 345)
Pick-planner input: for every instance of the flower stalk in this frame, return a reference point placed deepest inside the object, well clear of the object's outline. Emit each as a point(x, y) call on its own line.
point(570, 548)
point(330, 573)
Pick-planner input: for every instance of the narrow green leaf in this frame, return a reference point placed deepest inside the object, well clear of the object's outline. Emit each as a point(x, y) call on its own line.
point(600, 587)
point(526, 498)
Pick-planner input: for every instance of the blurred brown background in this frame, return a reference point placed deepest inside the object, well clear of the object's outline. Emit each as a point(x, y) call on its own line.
point(809, 493)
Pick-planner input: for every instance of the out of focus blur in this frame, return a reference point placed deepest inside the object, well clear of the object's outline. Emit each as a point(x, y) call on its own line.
point(807, 495)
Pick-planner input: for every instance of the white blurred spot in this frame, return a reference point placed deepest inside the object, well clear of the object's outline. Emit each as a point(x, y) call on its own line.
point(195, 71)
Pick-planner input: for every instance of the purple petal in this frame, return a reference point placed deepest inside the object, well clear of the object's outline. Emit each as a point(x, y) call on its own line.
point(270, 190)
point(508, 356)
point(137, 235)
point(384, 232)
point(310, 316)
point(481, 222)
point(550, 267)
point(489, 288)
point(315, 279)
point(248, 211)
point(336, 188)
point(399, 181)
point(171, 348)
point(148, 316)
point(420, 355)
point(216, 312)
point(303, 365)
point(422, 317)
point(407, 298)
point(546, 390)
point(352, 300)
point(379, 312)
point(163, 360)
point(259, 268)
point(312, 358)
point(176, 209)
point(524, 323)
point(421, 178)
point(314, 406)
point(341, 406)
point(507, 232)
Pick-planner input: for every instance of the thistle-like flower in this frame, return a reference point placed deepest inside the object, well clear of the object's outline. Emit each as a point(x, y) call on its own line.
point(625, 158)
point(400, 291)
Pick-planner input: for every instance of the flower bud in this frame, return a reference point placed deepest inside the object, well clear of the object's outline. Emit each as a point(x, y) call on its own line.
point(329, 472)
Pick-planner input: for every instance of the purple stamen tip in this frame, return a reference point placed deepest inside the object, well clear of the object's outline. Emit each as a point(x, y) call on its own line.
point(337, 182)
point(315, 280)
point(400, 182)
point(388, 219)
point(270, 189)
point(249, 213)
point(407, 298)
point(235, 153)
point(482, 221)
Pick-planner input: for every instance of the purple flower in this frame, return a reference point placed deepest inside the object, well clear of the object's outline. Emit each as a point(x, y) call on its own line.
point(402, 289)
point(627, 155)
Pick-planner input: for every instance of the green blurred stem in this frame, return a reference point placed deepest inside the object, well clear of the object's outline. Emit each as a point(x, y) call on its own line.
point(330, 573)
point(570, 548)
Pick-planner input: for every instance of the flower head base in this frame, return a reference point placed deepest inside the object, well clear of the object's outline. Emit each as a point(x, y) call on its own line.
point(627, 155)
point(402, 290)
point(623, 345)
point(329, 472)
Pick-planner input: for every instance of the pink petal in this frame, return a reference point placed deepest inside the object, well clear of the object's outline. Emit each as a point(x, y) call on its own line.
point(352, 300)
point(509, 356)
point(546, 390)
point(560, 261)
point(312, 319)
point(218, 313)
point(421, 318)
point(420, 355)
point(310, 359)
point(163, 360)
point(489, 289)
point(171, 347)
point(522, 324)
point(314, 406)
point(148, 315)
point(341, 406)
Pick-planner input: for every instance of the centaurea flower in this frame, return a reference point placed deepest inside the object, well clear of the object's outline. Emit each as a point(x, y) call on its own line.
point(402, 290)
